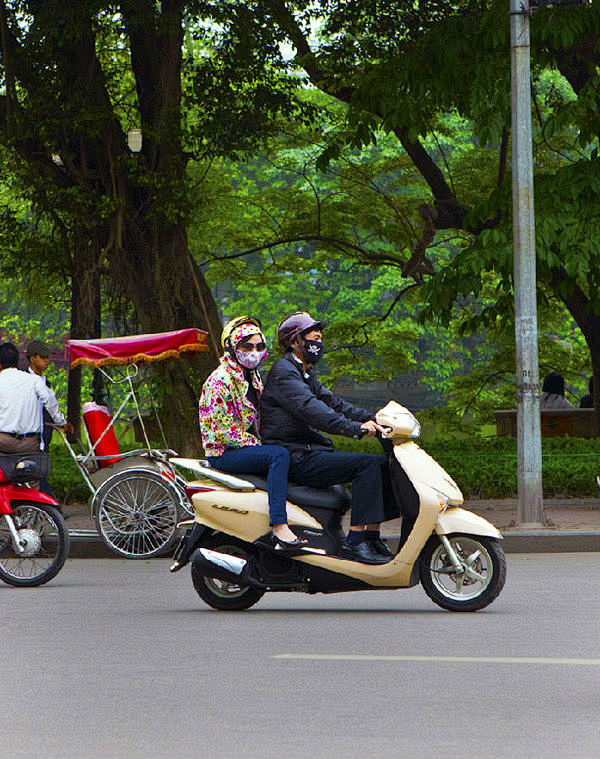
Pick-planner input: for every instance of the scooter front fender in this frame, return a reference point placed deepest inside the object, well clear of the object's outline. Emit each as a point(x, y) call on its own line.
point(454, 519)
point(14, 492)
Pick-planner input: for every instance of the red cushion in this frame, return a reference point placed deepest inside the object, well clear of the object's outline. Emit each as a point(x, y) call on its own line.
point(97, 419)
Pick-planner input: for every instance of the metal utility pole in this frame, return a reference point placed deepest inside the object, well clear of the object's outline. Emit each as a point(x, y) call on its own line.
point(530, 510)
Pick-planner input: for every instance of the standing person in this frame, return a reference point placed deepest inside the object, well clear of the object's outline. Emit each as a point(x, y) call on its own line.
point(229, 422)
point(295, 406)
point(553, 392)
point(21, 394)
point(38, 356)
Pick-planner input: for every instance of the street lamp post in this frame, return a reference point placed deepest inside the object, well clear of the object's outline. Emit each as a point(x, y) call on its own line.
point(530, 509)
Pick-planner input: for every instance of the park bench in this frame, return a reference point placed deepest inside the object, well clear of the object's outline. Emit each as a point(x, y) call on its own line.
point(574, 422)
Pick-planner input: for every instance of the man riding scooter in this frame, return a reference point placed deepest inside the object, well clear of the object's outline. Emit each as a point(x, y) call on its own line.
point(295, 406)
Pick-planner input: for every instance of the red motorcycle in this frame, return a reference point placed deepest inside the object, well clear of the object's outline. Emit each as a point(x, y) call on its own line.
point(34, 541)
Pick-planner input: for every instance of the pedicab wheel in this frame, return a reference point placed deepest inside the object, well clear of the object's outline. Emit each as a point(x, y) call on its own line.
point(220, 594)
point(136, 513)
point(480, 583)
point(45, 540)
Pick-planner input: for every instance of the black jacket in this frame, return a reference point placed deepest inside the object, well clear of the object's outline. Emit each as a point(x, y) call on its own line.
point(294, 407)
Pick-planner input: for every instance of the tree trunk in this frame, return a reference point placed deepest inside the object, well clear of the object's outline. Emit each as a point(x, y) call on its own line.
point(85, 293)
point(578, 305)
point(169, 292)
point(592, 338)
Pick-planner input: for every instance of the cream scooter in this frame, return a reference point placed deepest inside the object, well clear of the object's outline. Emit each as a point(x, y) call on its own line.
point(455, 554)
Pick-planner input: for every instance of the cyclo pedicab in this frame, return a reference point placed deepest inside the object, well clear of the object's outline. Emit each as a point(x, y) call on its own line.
point(137, 496)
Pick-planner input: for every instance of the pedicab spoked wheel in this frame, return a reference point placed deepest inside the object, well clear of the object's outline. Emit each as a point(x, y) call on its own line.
point(221, 594)
point(44, 539)
point(480, 582)
point(137, 513)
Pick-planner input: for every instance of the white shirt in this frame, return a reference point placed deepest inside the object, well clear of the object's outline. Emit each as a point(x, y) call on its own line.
point(42, 376)
point(20, 396)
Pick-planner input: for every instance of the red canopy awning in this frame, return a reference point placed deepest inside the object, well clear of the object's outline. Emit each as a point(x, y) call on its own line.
point(135, 349)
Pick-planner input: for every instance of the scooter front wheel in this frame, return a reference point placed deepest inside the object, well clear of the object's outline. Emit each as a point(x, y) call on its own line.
point(218, 593)
point(44, 543)
point(478, 583)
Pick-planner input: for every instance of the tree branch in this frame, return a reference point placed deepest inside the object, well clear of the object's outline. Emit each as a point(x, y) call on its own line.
point(449, 212)
point(366, 256)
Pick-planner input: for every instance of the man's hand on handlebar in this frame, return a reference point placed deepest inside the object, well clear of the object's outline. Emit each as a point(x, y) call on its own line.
point(372, 428)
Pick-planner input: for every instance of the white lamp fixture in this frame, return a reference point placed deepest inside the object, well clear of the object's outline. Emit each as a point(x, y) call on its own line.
point(134, 140)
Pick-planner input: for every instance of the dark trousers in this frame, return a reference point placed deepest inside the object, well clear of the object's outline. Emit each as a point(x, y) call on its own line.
point(11, 444)
point(372, 495)
point(406, 496)
point(272, 460)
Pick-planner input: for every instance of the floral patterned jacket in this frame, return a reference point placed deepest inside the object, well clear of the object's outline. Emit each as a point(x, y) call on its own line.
point(225, 413)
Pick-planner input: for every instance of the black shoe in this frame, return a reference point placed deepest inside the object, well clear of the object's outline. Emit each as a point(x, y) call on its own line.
point(65, 516)
point(293, 547)
point(287, 545)
point(381, 548)
point(362, 552)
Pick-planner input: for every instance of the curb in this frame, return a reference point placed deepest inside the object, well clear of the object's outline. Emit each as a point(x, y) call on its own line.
point(549, 541)
point(87, 544)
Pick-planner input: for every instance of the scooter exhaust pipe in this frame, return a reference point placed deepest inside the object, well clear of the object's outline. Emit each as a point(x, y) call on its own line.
point(220, 565)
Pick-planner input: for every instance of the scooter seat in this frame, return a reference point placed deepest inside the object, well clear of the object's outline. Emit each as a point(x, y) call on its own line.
point(336, 497)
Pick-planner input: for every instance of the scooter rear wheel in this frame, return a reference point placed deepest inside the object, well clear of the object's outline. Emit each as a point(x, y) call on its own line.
point(45, 540)
point(477, 586)
point(220, 594)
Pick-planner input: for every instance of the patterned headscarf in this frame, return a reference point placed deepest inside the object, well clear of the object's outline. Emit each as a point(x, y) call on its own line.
point(245, 330)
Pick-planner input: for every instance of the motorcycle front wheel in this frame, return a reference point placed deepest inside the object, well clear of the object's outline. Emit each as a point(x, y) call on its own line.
point(218, 593)
point(44, 539)
point(477, 585)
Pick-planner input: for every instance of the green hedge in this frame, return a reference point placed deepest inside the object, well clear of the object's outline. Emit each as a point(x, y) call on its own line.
point(66, 480)
point(487, 467)
point(482, 467)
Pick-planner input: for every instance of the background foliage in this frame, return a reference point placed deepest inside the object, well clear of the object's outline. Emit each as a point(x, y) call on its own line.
point(349, 158)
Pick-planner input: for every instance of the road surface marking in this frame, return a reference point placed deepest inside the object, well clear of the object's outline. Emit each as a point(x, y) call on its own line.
point(450, 659)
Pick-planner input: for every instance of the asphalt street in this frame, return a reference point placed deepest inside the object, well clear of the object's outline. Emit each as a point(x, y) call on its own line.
point(121, 659)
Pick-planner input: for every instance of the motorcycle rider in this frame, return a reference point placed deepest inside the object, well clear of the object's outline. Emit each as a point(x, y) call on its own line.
point(295, 406)
point(229, 422)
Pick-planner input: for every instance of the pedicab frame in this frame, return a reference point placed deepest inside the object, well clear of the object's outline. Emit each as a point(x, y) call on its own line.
point(138, 500)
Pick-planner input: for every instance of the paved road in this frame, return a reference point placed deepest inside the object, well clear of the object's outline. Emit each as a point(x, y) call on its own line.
point(120, 659)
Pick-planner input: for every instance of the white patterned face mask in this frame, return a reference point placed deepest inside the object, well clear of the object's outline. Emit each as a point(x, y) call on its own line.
point(249, 359)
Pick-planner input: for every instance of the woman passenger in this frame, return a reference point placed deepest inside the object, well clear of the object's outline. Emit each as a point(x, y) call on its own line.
point(229, 422)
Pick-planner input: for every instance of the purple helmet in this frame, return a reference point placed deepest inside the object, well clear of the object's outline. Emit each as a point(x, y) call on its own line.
point(296, 324)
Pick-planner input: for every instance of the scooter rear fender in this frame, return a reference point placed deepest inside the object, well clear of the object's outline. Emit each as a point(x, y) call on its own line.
point(454, 519)
point(13, 492)
point(245, 515)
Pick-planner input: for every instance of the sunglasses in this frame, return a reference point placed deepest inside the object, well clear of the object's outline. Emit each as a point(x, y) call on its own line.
point(247, 347)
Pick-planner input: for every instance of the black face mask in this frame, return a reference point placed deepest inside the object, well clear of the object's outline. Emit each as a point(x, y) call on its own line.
point(312, 350)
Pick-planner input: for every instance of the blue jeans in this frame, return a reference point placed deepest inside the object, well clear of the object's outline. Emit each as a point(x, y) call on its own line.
point(272, 460)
